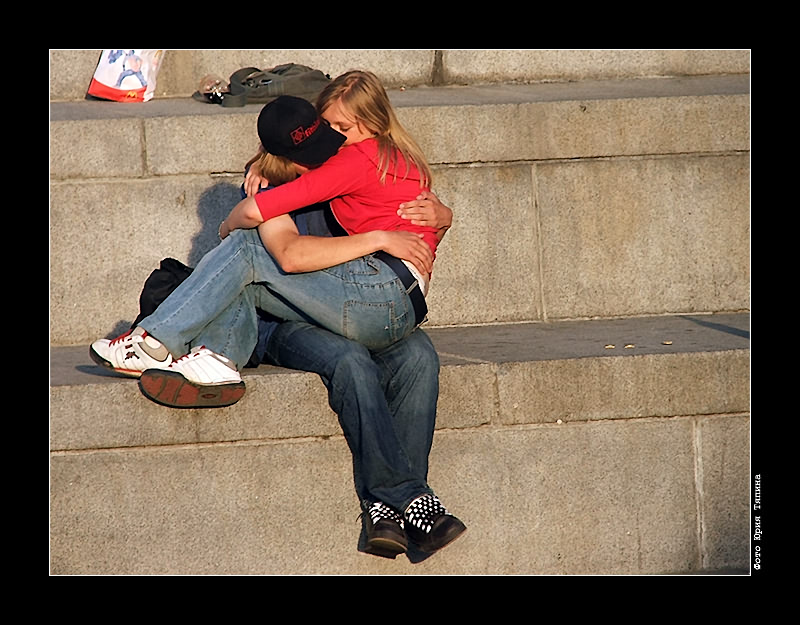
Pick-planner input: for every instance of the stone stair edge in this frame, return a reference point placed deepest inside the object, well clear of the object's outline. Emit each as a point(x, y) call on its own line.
point(447, 95)
point(514, 342)
point(494, 377)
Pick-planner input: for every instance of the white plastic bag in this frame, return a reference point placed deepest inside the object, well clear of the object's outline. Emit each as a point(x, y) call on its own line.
point(126, 75)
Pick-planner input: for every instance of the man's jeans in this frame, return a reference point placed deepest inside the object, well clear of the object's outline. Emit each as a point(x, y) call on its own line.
point(385, 400)
point(362, 299)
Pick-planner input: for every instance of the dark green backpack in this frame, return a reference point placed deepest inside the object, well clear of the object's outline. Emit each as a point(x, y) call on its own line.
point(251, 85)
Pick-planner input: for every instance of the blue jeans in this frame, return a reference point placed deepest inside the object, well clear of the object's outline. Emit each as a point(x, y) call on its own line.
point(385, 400)
point(363, 300)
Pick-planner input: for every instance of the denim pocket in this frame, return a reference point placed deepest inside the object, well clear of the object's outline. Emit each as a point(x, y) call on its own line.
point(373, 324)
point(364, 271)
point(364, 266)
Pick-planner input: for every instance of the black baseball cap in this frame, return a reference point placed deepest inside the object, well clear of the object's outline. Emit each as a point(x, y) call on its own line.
point(289, 126)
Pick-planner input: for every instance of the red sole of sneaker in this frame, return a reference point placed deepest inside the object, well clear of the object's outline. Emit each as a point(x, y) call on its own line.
point(170, 388)
point(129, 373)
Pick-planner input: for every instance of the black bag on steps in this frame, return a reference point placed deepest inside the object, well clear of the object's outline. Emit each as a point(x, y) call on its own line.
point(164, 281)
point(159, 285)
point(251, 85)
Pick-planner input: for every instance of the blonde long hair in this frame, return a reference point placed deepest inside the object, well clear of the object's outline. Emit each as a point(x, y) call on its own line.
point(363, 95)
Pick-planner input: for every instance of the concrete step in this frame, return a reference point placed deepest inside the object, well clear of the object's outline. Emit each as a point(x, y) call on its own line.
point(561, 453)
point(574, 200)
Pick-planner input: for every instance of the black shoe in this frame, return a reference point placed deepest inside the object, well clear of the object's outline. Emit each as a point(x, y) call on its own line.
point(430, 525)
point(385, 534)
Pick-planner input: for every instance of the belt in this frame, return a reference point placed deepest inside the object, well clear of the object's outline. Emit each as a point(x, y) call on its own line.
point(413, 289)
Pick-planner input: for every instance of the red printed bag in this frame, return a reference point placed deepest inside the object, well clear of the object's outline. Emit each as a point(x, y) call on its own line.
point(126, 75)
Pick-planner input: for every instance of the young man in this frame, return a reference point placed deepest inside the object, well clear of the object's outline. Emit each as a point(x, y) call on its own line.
point(386, 404)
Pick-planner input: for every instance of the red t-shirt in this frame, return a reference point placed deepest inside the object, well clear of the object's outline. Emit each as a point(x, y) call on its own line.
point(351, 181)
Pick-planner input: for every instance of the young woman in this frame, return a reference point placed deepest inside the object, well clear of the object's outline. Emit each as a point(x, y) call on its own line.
point(365, 298)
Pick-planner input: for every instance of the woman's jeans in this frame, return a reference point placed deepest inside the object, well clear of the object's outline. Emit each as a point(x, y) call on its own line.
point(215, 306)
point(385, 400)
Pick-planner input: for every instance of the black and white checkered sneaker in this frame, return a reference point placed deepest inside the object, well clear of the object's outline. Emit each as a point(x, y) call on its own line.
point(430, 525)
point(385, 531)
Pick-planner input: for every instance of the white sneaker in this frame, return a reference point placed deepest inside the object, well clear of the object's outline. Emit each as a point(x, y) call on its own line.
point(200, 379)
point(131, 353)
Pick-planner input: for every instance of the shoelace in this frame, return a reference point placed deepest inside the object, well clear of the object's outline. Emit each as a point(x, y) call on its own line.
point(196, 351)
point(423, 511)
point(192, 353)
point(120, 338)
point(380, 510)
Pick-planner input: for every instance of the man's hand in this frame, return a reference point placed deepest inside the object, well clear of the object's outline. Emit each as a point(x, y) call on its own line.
point(244, 215)
point(253, 181)
point(427, 210)
point(408, 246)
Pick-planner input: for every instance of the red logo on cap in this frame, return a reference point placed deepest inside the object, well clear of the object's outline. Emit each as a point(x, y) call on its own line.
point(301, 134)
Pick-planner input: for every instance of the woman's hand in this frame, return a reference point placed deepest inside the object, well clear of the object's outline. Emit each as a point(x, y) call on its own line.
point(408, 246)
